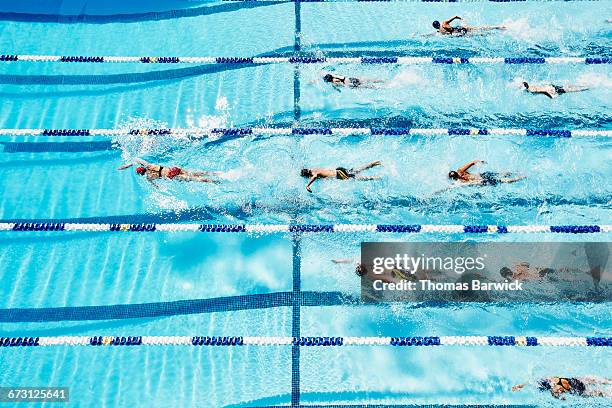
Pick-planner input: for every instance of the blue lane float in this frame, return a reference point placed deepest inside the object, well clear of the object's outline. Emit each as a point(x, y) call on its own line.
point(19, 341)
point(217, 341)
point(322, 131)
point(259, 229)
point(307, 341)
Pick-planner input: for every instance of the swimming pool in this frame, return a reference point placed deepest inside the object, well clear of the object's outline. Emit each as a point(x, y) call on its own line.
point(218, 284)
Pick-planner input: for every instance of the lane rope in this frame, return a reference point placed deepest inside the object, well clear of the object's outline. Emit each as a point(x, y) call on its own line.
point(261, 229)
point(306, 131)
point(304, 341)
point(301, 59)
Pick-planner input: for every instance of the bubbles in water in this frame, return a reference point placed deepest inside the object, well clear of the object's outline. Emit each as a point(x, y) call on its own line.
point(593, 80)
point(406, 77)
point(521, 30)
point(137, 145)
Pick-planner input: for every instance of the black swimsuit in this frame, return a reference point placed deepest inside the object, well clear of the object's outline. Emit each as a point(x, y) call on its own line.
point(352, 82)
point(459, 30)
point(559, 89)
point(343, 174)
point(489, 178)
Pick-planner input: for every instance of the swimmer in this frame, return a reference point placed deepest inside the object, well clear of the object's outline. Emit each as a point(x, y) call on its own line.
point(394, 275)
point(487, 178)
point(340, 173)
point(447, 29)
point(156, 171)
point(581, 387)
point(523, 271)
point(552, 91)
point(351, 82)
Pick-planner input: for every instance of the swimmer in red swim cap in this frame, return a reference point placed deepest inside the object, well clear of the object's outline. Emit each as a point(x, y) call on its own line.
point(156, 171)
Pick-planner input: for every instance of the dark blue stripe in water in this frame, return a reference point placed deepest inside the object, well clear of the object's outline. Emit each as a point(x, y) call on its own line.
point(179, 307)
point(68, 147)
point(127, 78)
point(135, 17)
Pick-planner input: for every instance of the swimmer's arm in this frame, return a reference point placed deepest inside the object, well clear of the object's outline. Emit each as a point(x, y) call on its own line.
point(342, 261)
point(519, 387)
point(467, 166)
point(312, 180)
point(125, 166)
point(450, 20)
point(153, 183)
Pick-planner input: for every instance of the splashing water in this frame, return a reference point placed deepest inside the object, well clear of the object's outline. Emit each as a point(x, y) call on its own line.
point(521, 30)
point(139, 145)
point(406, 77)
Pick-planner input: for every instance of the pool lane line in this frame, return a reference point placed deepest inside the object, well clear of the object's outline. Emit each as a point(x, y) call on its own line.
point(308, 341)
point(302, 58)
point(177, 307)
point(296, 236)
point(296, 319)
point(199, 133)
point(260, 230)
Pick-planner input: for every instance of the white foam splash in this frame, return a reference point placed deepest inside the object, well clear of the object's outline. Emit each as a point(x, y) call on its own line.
point(406, 77)
point(163, 200)
point(521, 30)
point(133, 146)
point(594, 80)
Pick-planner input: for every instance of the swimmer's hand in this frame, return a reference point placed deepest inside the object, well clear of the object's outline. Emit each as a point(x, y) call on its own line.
point(308, 189)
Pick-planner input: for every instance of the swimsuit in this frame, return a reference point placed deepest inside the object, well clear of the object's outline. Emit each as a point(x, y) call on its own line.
point(559, 89)
point(175, 171)
point(489, 178)
point(459, 30)
point(343, 174)
point(354, 82)
point(576, 387)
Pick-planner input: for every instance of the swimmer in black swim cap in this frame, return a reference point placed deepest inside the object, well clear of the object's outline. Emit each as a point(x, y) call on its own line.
point(447, 29)
point(487, 178)
point(551, 90)
point(339, 173)
point(351, 82)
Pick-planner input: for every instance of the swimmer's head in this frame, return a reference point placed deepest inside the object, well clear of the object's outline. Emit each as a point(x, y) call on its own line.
point(360, 270)
point(306, 173)
point(328, 78)
point(505, 272)
point(453, 175)
point(141, 170)
point(436, 25)
point(526, 85)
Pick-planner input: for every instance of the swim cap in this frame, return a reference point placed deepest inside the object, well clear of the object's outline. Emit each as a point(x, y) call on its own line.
point(328, 78)
point(361, 270)
point(453, 174)
point(141, 170)
point(436, 25)
point(526, 85)
point(505, 272)
point(306, 173)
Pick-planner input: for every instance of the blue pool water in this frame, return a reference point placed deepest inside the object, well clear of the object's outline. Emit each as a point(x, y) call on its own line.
point(567, 183)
